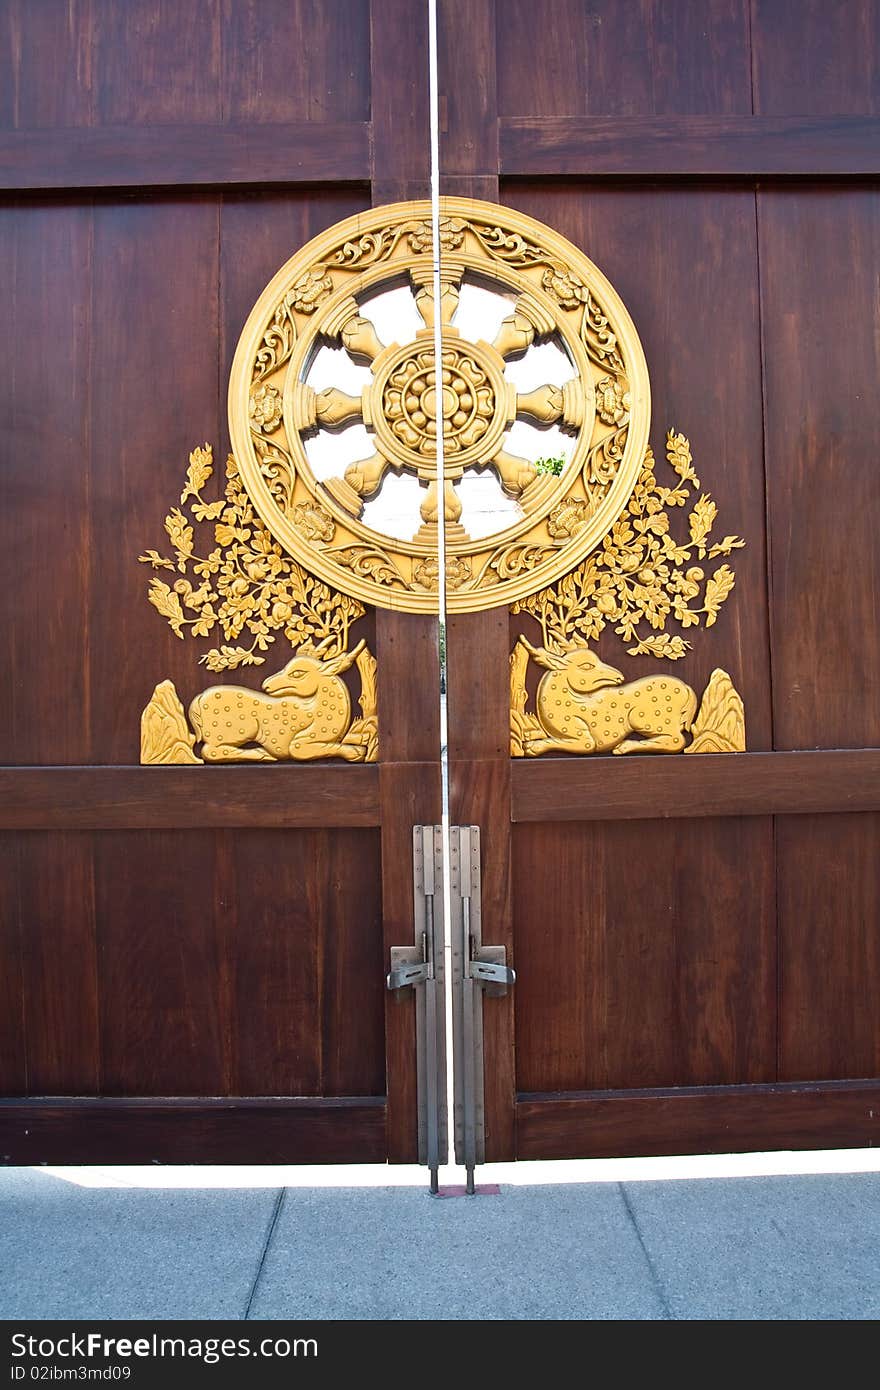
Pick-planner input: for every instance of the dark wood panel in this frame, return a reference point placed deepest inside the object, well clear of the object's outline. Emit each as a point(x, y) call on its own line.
point(256, 995)
point(154, 385)
point(730, 1119)
point(812, 58)
point(155, 60)
point(478, 699)
point(45, 531)
point(247, 1130)
point(407, 644)
point(13, 1060)
point(410, 795)
point(295, 60)
point(301, 926)
point(352, 965)
point(188, 156)
point(477, 644)
point(45, 63)
point(162, 1015)
point(645, 954)
point(467, 98)
point(155, 798)
point(59, 963)
point(645, 57)
point(691, 146)
point(822, 421)
point(829, 946)
point(728, 784)
point(684, 262)
point(399, 66)
point(480, 795)
point(70, 63)
point(259, 232)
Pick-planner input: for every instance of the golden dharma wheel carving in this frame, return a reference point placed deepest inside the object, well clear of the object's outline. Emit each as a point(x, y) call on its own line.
point(321, 298)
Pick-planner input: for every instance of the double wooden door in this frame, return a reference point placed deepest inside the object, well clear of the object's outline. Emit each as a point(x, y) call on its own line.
point(194, 960)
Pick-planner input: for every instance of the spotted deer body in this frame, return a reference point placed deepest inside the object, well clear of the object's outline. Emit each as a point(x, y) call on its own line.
point(304, 714)
point(584, 706)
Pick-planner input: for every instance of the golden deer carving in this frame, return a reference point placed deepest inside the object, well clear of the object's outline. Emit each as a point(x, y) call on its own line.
point(584, 706)
point(305, 713)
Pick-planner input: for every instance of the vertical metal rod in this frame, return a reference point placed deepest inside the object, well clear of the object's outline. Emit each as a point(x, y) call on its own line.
point(432, 1117)
point(469, 1117)
point(468, 1069)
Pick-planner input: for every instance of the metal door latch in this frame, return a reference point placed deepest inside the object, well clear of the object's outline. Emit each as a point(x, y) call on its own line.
point(421, 967)
point(473, 964)
point(486, 972)
point(478, 972)
point(405, 971)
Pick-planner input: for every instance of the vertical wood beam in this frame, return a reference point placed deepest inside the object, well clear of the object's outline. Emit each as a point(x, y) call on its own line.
point(400, 100)
point(406, 643)
point(478, 644)
point(468, 98)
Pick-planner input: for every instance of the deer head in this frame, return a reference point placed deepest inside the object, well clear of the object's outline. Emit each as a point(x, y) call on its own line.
point(304, 672)
point(583, 669)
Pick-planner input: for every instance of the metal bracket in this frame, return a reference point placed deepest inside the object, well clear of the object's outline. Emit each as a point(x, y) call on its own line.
point(422, 968)
point(476, 970)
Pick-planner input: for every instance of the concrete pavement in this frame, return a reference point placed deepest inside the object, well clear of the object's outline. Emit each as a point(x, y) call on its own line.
point(218, 1243)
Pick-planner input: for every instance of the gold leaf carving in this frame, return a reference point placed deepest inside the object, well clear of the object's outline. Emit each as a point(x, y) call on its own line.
point(201, 466)
point(427, 572)
point(720, 726)
point(310, 290)
point(165, 734)
point(717, 589)
point(265, 407)
point(165, 601)
point(640, 577)
point(612, 401)
point(640, 581)
point(152, 557)
point(368, 562)
point(555, 291)
point(314, 521)
point(180, 534)
point(303, 712)
point(567, 518)
point(678, 452)
point(584, 706)
point(249, 586)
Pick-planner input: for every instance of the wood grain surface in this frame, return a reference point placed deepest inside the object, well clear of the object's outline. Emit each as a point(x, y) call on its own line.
point(696, 939)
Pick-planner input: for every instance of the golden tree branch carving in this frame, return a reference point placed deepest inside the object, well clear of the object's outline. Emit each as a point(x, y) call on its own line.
point(641, 578)
point(244, 585)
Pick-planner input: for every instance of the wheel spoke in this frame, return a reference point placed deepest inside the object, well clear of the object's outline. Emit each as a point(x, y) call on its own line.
point(357, 334)
point(529, 320)
point(334, 408)
point(423, 289)
point(515, 474)
point(543, 404)
point(551, 404)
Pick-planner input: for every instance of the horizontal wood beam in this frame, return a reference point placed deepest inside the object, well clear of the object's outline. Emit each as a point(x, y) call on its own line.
point(188, 798)
point(235, 1130)
point(723, 784)
point(691, 146)
point(172, 156)
point(720, 1119)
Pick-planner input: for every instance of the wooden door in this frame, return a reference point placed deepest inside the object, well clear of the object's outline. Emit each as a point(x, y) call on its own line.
point(696, 939)
point(192, 960)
